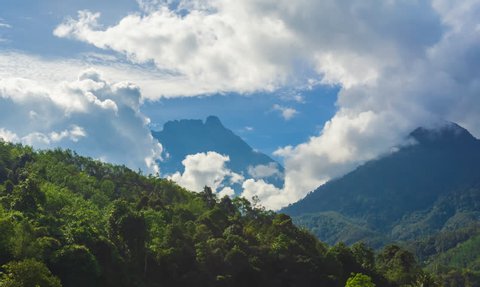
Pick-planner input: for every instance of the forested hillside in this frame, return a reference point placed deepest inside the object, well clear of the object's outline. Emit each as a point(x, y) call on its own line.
point(427, 187)
point(67, 220)
point(425, 196)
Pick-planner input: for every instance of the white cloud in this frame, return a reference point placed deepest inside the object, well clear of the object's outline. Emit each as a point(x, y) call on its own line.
point(90, 115)
point(286, 112)
point(270, 196)
point(151, 5)
point(206, 169)
point(209, 169)
point(293, 95)
point(74, 134)
point(213, 51)
point(251, 45)
point(4, 25)
point(8, 136)
point(264, 170)
point(153, 84)
point(345, 142)
point(226, 191)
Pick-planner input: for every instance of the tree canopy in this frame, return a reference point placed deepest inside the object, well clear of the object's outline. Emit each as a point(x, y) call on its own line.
point(67, 220)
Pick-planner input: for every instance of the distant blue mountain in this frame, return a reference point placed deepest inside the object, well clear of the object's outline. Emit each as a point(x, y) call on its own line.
point(184, 137)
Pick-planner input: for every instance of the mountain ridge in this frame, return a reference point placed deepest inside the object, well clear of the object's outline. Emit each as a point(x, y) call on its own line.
point(396, 191)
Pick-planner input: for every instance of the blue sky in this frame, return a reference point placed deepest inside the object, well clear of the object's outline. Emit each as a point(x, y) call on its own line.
point(253, 117)
point(33, 21)
point(323, 85)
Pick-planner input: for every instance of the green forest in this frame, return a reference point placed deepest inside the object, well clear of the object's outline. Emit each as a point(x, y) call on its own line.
point(68, 220)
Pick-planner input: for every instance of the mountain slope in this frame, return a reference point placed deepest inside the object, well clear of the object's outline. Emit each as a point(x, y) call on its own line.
point(185, 137)
point(413, 192)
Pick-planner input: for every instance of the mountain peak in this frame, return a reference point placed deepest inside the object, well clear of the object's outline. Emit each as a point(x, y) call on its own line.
point(448, 133)
point(213, 121)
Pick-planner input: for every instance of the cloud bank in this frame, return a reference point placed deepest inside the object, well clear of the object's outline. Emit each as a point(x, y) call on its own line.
point(253, 45)
point(207, 169)
point(89, 115)
point(399, 64)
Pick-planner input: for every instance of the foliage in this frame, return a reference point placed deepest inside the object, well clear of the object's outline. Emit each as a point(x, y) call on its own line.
point(94, 224)
point(465, 255)
point(359, 280)
point(27, 273)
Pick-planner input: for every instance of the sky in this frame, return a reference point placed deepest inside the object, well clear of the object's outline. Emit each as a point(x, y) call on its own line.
point(320, 85)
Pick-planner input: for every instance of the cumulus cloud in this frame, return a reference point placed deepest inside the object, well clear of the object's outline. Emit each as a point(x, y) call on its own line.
point(207, 169)
point(398, 64)
point(286, 112)
point(89, 115)
point(213, 51)
point(8, 136)
point(270, 196)
point(259, 45)
point(264, 170)
point(38, 138)
point(226, 191)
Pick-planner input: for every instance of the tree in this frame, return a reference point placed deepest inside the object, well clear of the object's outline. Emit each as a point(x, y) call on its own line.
point(227, 205)
point(359, 280)
point(7, 238)
point(76, 266)
point(345, 256)
point(364, 255)
point(27, 196)
point(28, 273)
point(208, 197)
point(127, 227)
point(398, 265)
point(426, 280)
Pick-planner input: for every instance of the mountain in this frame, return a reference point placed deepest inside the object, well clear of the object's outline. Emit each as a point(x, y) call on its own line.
point(428, 187)
point(184, 137)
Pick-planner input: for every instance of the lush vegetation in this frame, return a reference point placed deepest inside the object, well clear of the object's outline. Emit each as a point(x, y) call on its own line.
point(453, 255)
point(66, 220)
